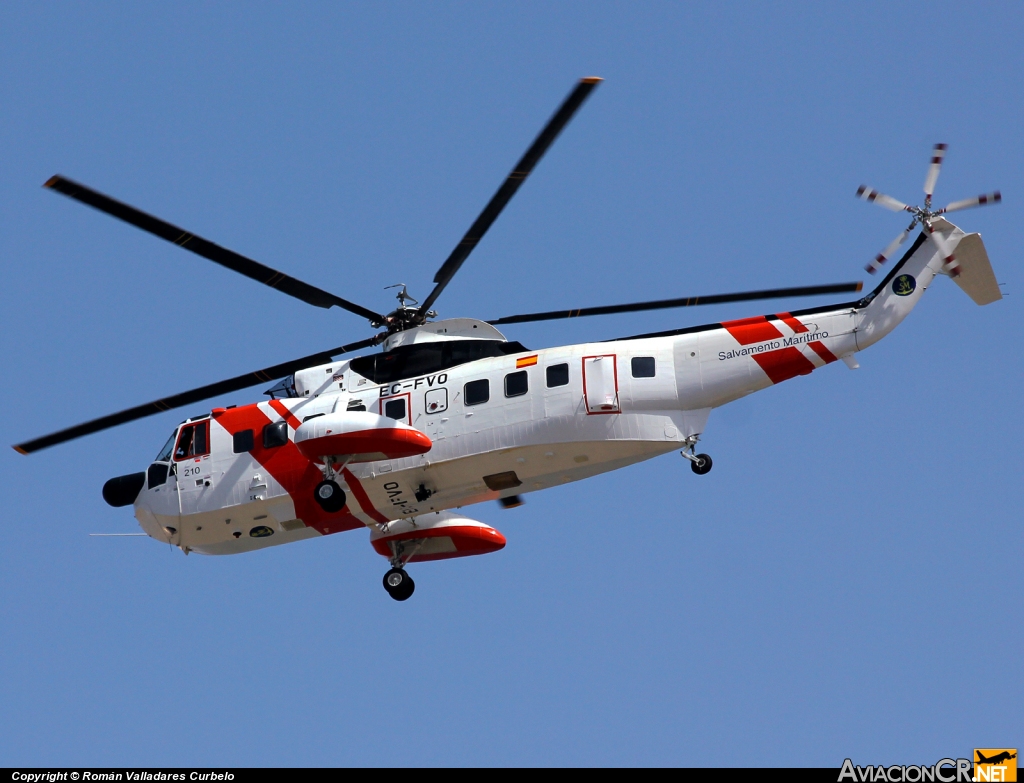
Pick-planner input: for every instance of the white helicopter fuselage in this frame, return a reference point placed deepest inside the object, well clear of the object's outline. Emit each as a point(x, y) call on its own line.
point(499, 426)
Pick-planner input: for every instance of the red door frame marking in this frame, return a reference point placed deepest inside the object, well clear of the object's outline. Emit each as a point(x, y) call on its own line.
point(615, 374)
point(195, 425)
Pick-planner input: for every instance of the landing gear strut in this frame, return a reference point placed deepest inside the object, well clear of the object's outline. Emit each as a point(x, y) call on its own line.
point(328, 495)
point(396, 581)
point(699, 463)
point(398, 584)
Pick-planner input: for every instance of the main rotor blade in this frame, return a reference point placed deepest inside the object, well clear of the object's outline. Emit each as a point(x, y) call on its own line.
point(509, 187)
point(192, 396)
point(691, 301)
point(933, 170)
point(203, 247)
point(881, 199)
point(967, 203)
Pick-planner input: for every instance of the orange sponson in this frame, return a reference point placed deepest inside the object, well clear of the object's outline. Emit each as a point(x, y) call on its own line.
point(391, 442)
point(462, 541)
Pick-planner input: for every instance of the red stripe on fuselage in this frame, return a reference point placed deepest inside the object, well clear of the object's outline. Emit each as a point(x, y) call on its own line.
point(783, 364)
point(285, 414)
point(296, 474)
point(748, 331)
point(362, 497)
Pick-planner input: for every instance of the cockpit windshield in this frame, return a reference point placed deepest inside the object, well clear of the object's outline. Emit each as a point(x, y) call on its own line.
point(165, 452)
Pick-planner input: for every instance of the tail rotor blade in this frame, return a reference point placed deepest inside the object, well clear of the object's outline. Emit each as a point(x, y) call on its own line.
point(886, 254)
point(949, 265)
point(881, 199)
point(933, 170)
point(967, 203)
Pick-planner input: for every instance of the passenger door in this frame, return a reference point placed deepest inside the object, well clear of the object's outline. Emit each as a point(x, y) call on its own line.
point(601, 384)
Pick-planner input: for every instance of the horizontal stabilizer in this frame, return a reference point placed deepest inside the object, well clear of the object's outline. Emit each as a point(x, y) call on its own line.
point(976, 277)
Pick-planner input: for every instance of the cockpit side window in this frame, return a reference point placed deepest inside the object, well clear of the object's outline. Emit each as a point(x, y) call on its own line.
point(157, 474)
point(193, 441)
point(165, 452)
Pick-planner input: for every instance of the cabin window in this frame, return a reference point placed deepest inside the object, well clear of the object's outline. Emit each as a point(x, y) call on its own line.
point(643, 366)
point(516, 384)
point(243, 441)
point(558, 375)
point(157, 474)
point(395, 409)
point(275, 434)
point(167, 450)
point(193, 440)
point(476, 392)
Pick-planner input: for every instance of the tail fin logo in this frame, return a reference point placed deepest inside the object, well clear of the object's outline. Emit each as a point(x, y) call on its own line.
point(904, 285)
point(995, 764)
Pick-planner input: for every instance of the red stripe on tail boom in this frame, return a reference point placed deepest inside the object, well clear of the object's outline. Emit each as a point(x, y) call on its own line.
point(826, 355)
point(783, 364)
point(792, 323)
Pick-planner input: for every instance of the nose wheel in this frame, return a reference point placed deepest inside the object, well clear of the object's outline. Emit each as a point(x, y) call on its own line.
point(330, 497)
point(398, 584)
point(699, 463)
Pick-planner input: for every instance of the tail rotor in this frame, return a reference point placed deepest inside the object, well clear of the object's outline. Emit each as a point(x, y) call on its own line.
point(924, 215)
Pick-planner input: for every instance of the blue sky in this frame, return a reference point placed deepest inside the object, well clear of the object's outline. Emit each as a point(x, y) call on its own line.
point(843, 582)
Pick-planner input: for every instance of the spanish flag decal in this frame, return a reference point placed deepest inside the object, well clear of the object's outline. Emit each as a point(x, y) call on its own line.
point(528, 361)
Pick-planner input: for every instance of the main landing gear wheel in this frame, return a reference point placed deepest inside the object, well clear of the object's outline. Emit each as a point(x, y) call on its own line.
point(701, 464)
point(330, 496)
point(398, 584)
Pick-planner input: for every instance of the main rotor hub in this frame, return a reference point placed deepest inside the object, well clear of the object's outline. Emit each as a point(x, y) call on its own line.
point(404, 317)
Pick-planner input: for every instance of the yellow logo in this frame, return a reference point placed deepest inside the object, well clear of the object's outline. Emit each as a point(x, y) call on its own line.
point(995, 764)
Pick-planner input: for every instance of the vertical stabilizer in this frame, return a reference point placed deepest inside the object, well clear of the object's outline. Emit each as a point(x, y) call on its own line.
point(976, 277)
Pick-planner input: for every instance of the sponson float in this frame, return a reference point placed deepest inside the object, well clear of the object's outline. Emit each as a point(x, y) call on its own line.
point(333, 438)
point(451, 413)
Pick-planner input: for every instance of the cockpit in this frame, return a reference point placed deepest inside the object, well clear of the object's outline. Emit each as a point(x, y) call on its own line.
point(191, 439)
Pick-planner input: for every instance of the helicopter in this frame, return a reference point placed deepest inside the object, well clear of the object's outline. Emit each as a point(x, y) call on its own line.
point(451, 413)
